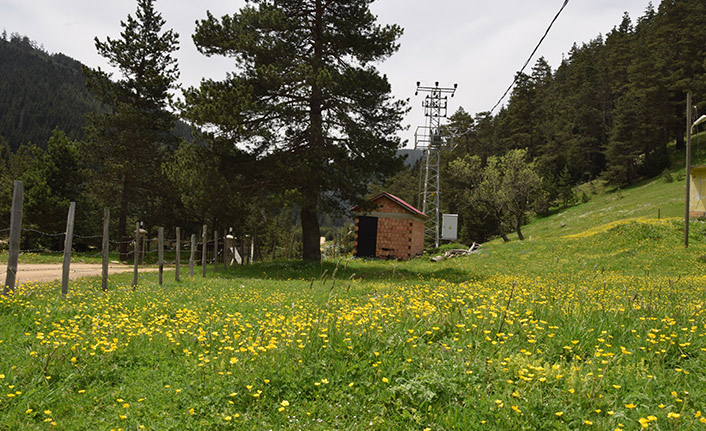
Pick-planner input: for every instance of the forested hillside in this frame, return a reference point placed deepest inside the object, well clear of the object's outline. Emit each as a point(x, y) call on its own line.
point(607, 112)
point(610, 107)
point(40, 92)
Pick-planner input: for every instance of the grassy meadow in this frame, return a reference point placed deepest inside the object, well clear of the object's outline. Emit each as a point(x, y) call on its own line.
point(599, 324)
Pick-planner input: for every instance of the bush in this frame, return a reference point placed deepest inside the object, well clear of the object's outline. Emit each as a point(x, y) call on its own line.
point(667, 176)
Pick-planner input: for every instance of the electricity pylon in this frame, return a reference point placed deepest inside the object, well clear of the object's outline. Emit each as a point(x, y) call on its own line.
point(429, 139)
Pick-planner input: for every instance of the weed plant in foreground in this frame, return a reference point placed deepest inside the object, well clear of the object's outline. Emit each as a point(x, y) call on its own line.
point(564, 333)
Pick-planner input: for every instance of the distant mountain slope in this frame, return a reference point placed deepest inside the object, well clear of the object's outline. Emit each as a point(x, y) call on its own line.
point(39, 92)
point(411, 156)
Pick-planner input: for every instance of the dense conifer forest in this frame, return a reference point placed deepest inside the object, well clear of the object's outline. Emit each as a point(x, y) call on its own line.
point(40, 92)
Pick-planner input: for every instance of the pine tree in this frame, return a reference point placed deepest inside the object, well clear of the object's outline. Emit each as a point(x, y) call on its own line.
point(676, 38)
point(128, 143)
point(306, 100)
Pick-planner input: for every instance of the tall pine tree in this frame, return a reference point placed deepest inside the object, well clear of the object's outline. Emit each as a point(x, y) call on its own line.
point(129, 142)
point(305, 100)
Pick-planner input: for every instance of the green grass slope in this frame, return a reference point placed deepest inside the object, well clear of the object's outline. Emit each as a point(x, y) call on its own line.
point(650, 198)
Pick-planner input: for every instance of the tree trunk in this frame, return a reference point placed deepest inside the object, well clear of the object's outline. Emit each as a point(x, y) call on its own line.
point(681, 142)
point(503, 235)
point(310, 235)
point(124, 200)
point(311, 246)
point(518, 222)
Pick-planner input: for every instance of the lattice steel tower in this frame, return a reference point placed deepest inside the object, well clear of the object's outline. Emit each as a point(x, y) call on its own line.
point(430, 140)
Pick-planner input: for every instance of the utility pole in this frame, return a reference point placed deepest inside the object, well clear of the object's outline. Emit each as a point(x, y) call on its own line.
point(429, 139)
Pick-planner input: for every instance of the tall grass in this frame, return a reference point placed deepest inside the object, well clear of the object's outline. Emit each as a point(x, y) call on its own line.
point(601, 330)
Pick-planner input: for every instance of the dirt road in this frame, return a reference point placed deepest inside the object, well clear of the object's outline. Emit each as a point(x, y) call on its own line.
point(39, 272)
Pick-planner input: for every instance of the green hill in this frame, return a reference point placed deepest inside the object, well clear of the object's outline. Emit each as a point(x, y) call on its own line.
point(603, 329)
point(658, 197)
point(40, 92)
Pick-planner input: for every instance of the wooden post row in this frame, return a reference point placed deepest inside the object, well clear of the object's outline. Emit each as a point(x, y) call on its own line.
point(192, 255)
point(225, 249)
point(688, 169)
point(15, 230)
point(68, 239)
point(215, 250)
point(252, 248)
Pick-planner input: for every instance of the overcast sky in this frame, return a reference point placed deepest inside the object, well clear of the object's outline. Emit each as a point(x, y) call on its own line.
point(478, 44)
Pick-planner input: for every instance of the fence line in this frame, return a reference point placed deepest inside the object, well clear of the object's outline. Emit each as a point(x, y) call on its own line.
point(210, 255)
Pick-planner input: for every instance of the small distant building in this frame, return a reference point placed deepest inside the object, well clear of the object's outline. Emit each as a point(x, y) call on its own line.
point(391, 229)
point(697, 198)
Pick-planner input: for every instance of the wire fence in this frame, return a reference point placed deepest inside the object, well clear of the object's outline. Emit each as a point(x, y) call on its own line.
point(128, 255)
point(185, 245)
point(149, 250)
point(197, 248)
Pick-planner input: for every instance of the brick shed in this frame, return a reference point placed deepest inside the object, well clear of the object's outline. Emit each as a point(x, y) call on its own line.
point(394, 229)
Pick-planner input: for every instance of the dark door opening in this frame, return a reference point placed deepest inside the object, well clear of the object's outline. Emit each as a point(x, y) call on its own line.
point(367, 236)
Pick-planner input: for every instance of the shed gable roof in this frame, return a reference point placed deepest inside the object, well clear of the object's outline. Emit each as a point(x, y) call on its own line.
point(404, 205)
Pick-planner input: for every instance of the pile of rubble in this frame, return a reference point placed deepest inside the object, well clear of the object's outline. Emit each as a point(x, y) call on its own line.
point(456, 252)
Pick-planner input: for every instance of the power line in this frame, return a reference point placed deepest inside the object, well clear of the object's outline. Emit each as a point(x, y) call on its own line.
point(514, 81)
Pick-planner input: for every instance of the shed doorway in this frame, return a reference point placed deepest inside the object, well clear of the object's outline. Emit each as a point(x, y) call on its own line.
point(367, 236)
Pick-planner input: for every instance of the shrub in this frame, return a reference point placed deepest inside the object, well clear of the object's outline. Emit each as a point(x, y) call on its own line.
point(667, 176)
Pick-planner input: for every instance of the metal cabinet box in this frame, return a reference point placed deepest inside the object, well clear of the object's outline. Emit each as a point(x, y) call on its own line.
point(449, 227)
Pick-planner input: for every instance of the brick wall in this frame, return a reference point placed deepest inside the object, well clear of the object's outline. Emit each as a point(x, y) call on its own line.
point(417, 238)
point(396, 238)
point(386, 205)
point(393, 238)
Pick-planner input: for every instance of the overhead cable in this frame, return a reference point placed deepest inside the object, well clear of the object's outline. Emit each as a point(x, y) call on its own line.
point(514, 81)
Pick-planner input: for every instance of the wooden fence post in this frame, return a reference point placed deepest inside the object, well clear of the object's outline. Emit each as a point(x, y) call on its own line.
point(68, 239)
point(137, 255)
point(178, 253)
point(160, 253)
point(215, 250)
point(143, 238)
point(225, 249)
point(106, 244)
point(252, 248)
point(15, 231)
point(192, 255)
point(245, 250)
point(204, 250)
